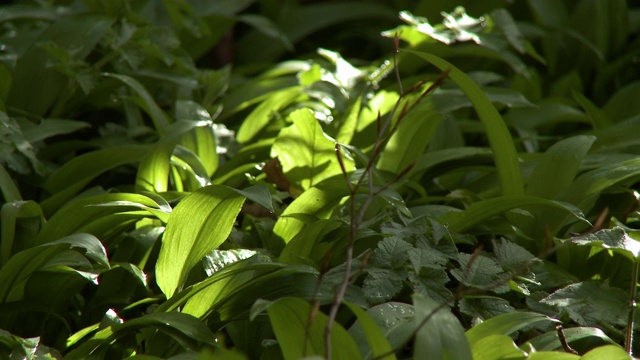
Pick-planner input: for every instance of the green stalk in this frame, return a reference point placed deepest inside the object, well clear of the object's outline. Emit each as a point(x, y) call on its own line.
point(628, 340)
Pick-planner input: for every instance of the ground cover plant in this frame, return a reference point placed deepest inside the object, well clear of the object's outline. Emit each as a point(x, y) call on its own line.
point(316, 179)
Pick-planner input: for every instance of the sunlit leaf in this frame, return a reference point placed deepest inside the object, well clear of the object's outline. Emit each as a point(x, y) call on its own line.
point(199, 224)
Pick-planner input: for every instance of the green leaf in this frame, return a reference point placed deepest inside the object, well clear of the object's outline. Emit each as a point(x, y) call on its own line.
point(485, 307)
point(88, 214)
point(185, 329)
point(609, 352)
point(391, 253)
point(301, 333)
point(9, 189)
point(306, 153)
point(375, 339)
point(15, 273)
point(615, 239)
point(160, 120)
point(478, 212)
point(11, 215)
point(73, 176)
point(497, 347)
point(504, 151)
point(263, 113)
point(317, 203)
point(550, 341)
point(52, 127)
point(440, 335)
point(481, 271)
point(590, 303)
point(381, 285)
point(558, 167)
point(199, 224)
point(505, 324)
point(512, 256)
point(411, 138)
point(153, 172)
point(259, 194)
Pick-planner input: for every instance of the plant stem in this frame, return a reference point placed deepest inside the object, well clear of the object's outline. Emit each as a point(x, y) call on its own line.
point(628, 341)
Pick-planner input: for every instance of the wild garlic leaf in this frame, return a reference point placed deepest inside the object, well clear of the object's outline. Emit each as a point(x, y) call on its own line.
point(590, 303)
point(481, 271)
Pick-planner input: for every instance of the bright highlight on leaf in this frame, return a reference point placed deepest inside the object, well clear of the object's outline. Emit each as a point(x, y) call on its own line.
point(199, 224)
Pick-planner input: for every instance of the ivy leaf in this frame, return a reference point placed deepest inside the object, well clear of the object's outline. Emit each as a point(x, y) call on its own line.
point(306, 153)
point(381, 285)
point(590, 303)
point(391, 253)
point(482, 272)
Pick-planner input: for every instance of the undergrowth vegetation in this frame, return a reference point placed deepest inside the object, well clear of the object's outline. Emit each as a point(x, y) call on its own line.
point(266, 179)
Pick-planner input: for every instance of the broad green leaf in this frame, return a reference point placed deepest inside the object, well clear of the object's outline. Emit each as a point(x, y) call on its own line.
point(9, 189)
point(52, 127)
point(590, 303)
point(476, 213)
point(15, 273)
point(621, 105)
point(552, 355)
point(259, 194)
point(598, 117)
point(497, 347)
point(199, 224)
point(558, 167)
point(310, 244)
point(10, 215)
point(306, 153)
point(615, 239)
point(300, 331)
point(440, 335)
point(436, 158)
point(153, 172)
point(376, 344)
point(68, 180)
point(609, 352)
point(512, 256)
point(203, 139)
point(583, 191)
point(82, 213)
point(550, 341)
point(505, 324)
point(160, 120)
point(263, 113)
point(504, 151)
point(315, 203)
point(185, 329)
point(359, 116)
point(407, 144)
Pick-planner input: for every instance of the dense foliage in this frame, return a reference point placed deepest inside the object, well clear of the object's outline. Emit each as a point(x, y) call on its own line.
point(285, 179)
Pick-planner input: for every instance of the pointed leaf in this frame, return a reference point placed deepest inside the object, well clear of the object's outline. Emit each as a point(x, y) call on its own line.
point(306, 153)
point(199, 224)
point(504, 151)
point(301, 333)
point(441, 336)
point(505, 324)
